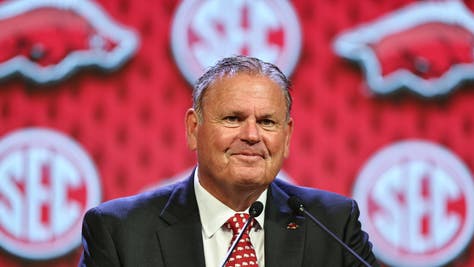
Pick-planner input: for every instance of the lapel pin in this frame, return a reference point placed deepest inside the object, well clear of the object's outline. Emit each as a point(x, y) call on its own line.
point(292, 226)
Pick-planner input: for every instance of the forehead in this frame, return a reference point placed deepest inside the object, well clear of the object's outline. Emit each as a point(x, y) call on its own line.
point(244, 94)
point(243, 85)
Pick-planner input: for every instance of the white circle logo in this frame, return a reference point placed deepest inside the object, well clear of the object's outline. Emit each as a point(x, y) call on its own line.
point(47, 182)
point(205, 31)
point(417, 203)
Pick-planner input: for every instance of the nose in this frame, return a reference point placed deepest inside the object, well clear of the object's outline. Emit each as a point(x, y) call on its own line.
point(250, 132)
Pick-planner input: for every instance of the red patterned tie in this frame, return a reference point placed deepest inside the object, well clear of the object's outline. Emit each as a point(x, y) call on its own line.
point(244, 253)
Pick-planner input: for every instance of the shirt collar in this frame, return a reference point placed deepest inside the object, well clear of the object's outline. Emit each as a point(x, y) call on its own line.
point(214, 213)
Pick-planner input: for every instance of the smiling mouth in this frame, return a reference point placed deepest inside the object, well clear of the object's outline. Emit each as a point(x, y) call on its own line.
point(248, 156)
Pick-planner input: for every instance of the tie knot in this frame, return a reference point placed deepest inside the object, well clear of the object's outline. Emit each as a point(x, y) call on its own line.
point(236, 222)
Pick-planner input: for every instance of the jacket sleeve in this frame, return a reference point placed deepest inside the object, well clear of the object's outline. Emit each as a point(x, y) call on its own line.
point(358, 240)
point(98, 245)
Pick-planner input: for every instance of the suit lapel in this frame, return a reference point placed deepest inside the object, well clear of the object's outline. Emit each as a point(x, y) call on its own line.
point(181, 239)
point(284, 232)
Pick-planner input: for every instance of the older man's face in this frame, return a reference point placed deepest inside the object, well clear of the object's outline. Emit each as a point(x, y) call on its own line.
point(244, 134)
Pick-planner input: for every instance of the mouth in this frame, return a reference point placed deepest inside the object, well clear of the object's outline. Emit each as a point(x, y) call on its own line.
point(248, 156)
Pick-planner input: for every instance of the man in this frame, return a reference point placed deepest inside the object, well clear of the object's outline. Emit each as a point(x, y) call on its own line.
point(240, 127)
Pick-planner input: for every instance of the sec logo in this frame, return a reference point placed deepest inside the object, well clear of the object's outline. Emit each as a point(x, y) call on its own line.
point(47, 182)
point(417, 203)
point(205, 31)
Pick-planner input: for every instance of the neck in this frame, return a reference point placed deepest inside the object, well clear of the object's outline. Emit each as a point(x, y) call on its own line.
point(241, 202)
point(238, 199)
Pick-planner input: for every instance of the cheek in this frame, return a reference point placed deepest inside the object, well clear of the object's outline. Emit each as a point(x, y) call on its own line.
point(277, 146)
point(216, 139)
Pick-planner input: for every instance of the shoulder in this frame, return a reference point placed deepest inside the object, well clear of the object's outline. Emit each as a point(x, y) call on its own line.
point(146, 205)
point(319, 201)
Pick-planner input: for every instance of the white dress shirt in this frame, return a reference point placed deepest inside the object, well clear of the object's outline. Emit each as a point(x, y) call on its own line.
point(216, 237)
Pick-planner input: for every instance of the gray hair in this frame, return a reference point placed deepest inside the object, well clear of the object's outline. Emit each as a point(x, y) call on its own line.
point(240, 64)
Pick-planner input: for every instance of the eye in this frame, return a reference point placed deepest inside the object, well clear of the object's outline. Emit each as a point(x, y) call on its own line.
point(267, 123)
point(37, 52)
point(231, 119)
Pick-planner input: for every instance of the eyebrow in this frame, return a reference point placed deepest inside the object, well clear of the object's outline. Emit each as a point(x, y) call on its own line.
point(243, 114)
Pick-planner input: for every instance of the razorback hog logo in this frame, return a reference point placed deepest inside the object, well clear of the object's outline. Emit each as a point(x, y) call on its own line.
point(426, 47)
point(46, 40)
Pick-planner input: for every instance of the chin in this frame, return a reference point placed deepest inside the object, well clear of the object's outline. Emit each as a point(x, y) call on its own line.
point(251, 177)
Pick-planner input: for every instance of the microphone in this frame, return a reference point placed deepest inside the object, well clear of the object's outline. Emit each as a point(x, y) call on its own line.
point(255, 210)
point(297, 205)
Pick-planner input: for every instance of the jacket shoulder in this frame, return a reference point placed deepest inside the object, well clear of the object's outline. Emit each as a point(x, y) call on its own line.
point(142, 206)
point(318, 200)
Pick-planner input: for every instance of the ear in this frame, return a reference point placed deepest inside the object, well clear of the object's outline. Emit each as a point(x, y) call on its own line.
point(191, 121)
point(289, 132)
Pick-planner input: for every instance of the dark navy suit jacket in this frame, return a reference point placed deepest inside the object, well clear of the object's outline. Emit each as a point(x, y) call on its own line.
point(163, 228)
